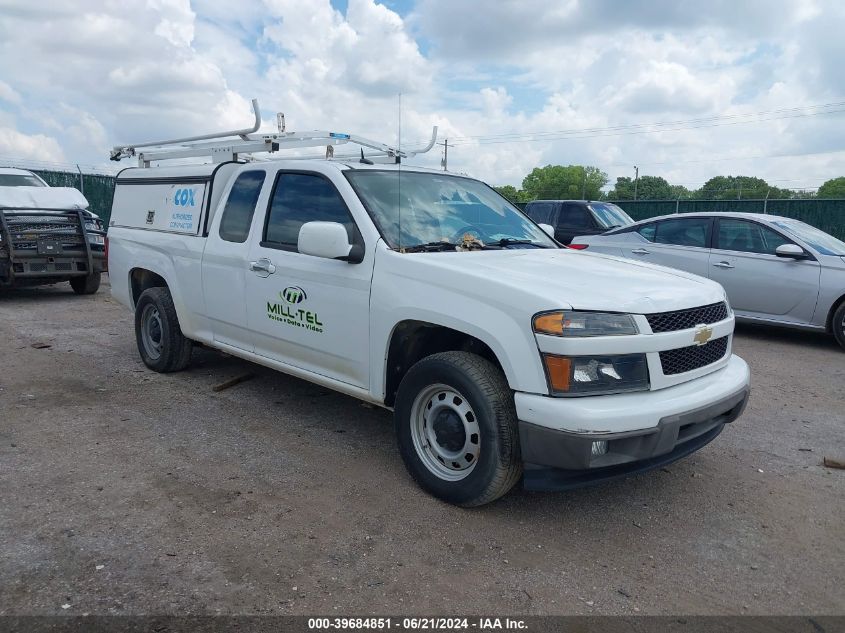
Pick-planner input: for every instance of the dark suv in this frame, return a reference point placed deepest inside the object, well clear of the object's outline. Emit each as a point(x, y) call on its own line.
point(577, 217)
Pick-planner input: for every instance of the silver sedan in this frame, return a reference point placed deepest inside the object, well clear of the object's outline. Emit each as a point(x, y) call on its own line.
point(775, 270)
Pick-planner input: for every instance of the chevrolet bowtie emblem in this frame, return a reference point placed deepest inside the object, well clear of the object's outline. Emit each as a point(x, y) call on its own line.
point(702, 335)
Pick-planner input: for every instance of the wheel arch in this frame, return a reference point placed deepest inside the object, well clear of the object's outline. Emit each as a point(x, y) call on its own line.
point(412, 340)
point(140, 279)
point(833, 308)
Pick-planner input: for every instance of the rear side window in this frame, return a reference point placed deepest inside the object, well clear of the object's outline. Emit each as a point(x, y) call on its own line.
point(574, 216)
point(301, 198)
point(540, 212)
point(682, 232)
point(748, 237)
point(240, 207)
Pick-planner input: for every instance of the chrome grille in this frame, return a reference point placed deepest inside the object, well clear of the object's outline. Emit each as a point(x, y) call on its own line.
point(684, 359)
point(687, 319)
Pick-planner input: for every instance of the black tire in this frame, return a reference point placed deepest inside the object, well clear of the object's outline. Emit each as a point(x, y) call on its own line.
point(838, 325)
point(162, 345)
point(87, 285)
point(498, 465)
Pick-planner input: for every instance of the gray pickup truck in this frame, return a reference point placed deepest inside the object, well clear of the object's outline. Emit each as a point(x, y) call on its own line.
point(47, 235)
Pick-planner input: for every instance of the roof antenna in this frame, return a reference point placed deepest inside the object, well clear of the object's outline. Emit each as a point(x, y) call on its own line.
point(366, 161)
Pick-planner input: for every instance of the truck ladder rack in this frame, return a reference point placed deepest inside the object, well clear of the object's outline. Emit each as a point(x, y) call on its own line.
point(227, 146)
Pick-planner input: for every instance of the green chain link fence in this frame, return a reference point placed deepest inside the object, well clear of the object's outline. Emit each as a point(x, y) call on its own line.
point(97, 188)
point(825, 214)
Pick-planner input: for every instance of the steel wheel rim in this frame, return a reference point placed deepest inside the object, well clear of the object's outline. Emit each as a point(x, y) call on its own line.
point(445, 432)
point(151, 331)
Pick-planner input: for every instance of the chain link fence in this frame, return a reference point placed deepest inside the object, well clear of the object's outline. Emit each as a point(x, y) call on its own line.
point(824, 213)
point(97, 188)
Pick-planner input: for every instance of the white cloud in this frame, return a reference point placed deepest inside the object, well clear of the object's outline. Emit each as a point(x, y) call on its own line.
point(9, 94)
point(87, 74)
point(29, 147)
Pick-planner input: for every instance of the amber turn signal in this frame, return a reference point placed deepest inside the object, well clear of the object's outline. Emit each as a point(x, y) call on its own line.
point(559, 370)
point(549, 323)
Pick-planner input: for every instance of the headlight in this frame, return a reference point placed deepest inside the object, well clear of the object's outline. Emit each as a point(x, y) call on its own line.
point(596, 375)
point(574, 323)
point(93, 238)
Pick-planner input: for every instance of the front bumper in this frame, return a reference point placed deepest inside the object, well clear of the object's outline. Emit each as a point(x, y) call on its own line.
point(643, 430)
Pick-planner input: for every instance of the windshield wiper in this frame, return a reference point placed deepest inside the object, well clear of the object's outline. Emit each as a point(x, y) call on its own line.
point(508, 241)
point(430, 247)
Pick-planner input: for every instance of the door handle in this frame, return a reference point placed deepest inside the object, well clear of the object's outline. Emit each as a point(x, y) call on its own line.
point(263, 265)
point(724, 265)
point(641, 251)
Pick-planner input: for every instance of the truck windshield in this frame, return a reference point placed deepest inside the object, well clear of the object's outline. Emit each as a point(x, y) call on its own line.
point(20, 180)
point(417, 208)
point(610, 216)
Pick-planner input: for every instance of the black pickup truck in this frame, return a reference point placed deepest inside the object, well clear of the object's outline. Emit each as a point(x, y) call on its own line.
point(47, 236)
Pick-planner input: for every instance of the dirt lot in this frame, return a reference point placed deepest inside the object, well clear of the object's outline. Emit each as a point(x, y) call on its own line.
point(125, 491)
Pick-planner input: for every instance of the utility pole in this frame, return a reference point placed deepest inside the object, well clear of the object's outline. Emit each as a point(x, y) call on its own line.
point(445, 162)
point(636, 180)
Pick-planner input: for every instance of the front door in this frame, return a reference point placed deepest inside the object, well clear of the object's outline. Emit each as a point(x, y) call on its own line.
point(305, 311)
point(758, 282)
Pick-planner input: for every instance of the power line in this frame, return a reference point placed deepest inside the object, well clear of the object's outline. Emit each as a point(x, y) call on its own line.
point(655, 127)
point(532, 138)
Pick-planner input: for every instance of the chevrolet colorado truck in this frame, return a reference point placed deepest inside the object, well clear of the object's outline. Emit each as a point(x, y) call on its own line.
point(503, 356)
point(47, 235)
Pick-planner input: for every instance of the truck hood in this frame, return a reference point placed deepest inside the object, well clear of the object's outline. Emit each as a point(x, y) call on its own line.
point(580, 280)
point(24, 198)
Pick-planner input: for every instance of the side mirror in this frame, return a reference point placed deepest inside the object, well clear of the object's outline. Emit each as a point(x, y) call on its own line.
point(328, 240)
point(792, 251)
point(548, 229)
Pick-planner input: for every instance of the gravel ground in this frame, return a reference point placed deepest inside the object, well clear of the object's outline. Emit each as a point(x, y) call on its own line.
point(130, 492)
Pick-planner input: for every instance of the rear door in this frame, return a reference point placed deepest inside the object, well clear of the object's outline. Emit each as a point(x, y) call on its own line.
point(682, 243)
point(574, 219)
point(226, 260)
point(309, 312)
point(758, 282)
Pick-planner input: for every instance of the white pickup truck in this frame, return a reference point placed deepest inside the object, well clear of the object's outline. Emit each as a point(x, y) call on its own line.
point(503, 355)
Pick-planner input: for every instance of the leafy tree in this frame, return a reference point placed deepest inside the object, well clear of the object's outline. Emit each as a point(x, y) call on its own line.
point(647, 188)
point(833, 188)
point(737, 187)
point(556, 182)
point(512, 193)
point(679, 191)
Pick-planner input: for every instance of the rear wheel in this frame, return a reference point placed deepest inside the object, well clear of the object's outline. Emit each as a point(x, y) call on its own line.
point(839, 325)
point(87, 285)
point(457, 430)
point(162, 345)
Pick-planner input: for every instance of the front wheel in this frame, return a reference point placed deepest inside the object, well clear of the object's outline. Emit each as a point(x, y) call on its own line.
point(162, 345)
point(87, 285)
point(457, 430)
point(839, 325)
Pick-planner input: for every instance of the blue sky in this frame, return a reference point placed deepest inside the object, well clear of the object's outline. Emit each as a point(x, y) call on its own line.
point(79, 77)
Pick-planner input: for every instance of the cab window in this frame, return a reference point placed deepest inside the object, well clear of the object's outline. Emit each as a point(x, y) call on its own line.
point(540, 212)
point(748, 237)
point(301, 198)
point(240, 206)
point(574, 216)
